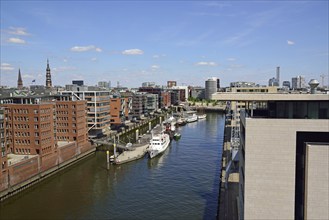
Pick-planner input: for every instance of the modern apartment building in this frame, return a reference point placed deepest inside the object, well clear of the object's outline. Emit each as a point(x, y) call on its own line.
point(283, 161)
point(138, 105)
point(280, 146)
point(120, 109)
point(98, 108)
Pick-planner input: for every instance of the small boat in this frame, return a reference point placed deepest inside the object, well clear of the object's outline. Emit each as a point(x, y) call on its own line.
point(181, 122)
point(158, 144)
point(192, 118)
point(177, 136)
point(203, 116)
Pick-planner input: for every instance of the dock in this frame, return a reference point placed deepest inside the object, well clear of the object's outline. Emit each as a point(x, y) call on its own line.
point(135, 152)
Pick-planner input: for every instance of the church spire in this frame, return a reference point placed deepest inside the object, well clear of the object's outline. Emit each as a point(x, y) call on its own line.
point(48, 76)
point(19, 81)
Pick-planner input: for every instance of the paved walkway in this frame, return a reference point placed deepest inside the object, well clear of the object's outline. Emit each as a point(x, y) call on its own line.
point(229, 191)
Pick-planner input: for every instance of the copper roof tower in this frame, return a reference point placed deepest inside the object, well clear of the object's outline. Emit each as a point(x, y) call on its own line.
point(48, 76)
point(19, 81)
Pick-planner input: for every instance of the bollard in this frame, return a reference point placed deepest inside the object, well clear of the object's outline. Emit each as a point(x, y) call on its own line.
point(137, 133)
point(108, 159)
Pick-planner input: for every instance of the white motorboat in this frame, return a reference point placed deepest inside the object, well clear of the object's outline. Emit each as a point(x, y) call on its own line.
point(192, 118)
point(158, 144)
point(203, 116)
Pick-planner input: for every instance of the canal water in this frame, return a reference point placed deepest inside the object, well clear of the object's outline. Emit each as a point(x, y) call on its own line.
point(182, 183)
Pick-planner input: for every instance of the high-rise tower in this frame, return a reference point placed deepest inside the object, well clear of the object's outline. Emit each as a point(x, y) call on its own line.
point(19, 81)
point(48, 76)
point(278, 75)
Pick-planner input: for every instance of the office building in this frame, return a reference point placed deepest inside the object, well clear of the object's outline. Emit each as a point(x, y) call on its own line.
point(278, 75)
point(210, 87)
point(298, 82)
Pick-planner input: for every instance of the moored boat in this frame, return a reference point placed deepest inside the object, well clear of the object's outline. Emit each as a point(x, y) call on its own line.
point(158, 144)
point(192, 118)
point(203, 116)
point(177, 136)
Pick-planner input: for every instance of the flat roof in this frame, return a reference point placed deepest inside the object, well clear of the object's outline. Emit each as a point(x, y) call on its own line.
point(252, 96)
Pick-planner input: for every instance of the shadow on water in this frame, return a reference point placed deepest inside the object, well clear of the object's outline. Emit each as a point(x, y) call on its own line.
point(212, 196)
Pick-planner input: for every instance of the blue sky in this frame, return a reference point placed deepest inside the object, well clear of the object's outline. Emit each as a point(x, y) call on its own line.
point(140, 41)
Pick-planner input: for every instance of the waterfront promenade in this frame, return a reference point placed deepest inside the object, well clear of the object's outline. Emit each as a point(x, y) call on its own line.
point(229, 190)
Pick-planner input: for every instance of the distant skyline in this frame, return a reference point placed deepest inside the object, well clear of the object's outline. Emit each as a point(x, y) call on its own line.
point(143, 41)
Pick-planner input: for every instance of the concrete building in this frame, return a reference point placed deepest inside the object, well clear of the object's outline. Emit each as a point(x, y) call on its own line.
point(210, 87)
point(298, 82)
point(197, 92)
point(283, 155)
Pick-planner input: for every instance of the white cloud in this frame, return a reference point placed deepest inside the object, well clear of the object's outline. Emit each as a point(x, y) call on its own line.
point(28, 76)
point(16, 40)
point(63, 69)
point(157, 56)
point(133, 52)
point(289, 42)
point(231, 59)
point(18, 31)
point(155, 67)
point(203, 63)
point(6, 66)
point(93, 59)
point(86, 48)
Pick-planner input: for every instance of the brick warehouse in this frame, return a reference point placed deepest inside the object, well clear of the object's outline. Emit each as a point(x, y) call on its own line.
point(38, 137)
